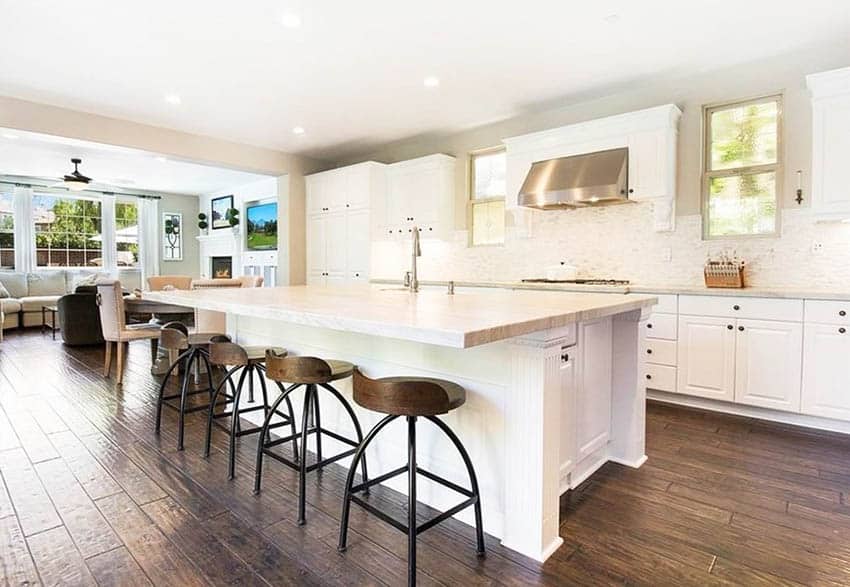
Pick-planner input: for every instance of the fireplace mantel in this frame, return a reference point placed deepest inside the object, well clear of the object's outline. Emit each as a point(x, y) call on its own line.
point(228, 242)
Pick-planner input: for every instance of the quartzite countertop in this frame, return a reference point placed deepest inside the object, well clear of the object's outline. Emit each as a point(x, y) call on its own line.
point(463, 320)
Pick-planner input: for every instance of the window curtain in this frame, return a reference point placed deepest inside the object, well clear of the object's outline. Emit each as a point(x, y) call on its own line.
point(25, 260)
point(107, 233)
point(148, 238)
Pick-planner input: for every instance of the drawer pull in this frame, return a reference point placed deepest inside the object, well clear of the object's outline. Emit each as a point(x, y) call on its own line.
point(649, 376)
point(741, 328)
point(842, 330)
point(648, 351)
point(729, 327)
point(649, 325)
point(842, 312)
point(736, 307)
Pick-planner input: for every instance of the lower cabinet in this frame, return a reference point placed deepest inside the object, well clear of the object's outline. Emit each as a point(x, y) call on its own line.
point(593, 396)
point(768, 364)
point(706, 357)
point(826, 371)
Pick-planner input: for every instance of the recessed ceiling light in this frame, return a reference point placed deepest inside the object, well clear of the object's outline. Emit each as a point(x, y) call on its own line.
point(298, 130)
point(431, 81)
point(290, 21)
point(173, 99)
point(612, 18)
point(161, 159)
point(10, 136)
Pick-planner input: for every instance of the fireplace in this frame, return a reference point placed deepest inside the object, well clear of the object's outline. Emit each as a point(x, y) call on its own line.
point(222, 267)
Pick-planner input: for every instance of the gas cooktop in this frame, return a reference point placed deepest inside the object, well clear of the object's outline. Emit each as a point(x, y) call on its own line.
point(579, 281)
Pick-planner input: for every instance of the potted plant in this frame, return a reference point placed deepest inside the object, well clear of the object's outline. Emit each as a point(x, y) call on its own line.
point(202, 222)
point(232, 216)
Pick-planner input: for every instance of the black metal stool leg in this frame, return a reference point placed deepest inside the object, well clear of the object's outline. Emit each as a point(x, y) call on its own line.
point(302, 463)
point(211, 412)
point(251, 384)
point(164, 384)
point(473, 479)
point(411, 500)
point(317, 423)
point(291, 412)
point(234, 424)
point(258, 469)
point(349, 482)
point(357, 428)
point(184, 391)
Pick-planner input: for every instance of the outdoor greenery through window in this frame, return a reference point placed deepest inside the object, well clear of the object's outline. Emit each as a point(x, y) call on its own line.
point(7, 232)
point(67, 231)
point(127, 233)
point(487, 197)
point(740, 184)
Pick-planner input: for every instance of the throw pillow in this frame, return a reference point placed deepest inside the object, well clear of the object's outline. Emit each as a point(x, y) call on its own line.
point(4, 293)
point(46, 283)
point(15, 283)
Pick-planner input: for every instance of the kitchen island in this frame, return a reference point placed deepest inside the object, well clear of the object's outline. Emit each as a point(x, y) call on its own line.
point(552, 382)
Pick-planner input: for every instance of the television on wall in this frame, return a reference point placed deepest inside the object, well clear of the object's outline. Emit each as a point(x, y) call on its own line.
point(261, 226)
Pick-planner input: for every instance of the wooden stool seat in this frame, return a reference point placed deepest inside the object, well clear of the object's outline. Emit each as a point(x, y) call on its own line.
point(340, 369)
point(408, 396)
point(202, 338)
point(257, 353)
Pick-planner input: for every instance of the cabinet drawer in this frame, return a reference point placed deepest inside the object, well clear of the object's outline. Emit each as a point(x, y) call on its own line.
point(828, 312)
point(661, 326)
point(660, 377)
point(667, 303)
point(742, 307)
point(659, 351)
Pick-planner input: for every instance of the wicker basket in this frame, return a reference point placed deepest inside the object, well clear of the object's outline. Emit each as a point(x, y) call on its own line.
point(724, 275)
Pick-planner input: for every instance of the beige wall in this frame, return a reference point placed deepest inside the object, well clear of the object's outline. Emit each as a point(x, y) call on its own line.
point(188, 206)
point(785, 73)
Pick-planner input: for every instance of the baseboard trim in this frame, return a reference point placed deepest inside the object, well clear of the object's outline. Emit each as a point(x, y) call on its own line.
point(801, 420)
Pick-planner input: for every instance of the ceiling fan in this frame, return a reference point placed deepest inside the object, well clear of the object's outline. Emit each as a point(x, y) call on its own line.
point(75, 180)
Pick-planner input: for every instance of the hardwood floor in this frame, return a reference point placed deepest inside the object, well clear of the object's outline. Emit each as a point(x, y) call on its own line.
point(90, 495)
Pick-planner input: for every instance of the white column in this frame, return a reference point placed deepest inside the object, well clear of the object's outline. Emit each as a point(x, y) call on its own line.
point(628, 405)
point(107, 232)
point(25, 260)
point(532, 444)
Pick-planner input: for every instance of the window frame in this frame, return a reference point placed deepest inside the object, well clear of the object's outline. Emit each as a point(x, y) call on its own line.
point(137, 268)
point(472, 200)
point(13, 232)
point(66, 196)
point(707, 174)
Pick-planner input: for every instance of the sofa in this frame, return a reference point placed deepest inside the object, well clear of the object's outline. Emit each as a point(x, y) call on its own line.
point(23, 294)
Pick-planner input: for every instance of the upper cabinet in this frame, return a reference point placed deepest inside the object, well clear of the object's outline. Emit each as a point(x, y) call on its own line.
point(650, 136)
point(347, 188)
point(830, 93)
point(420, 192)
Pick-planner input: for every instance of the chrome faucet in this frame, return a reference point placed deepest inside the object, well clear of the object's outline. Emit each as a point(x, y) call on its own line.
point(412, 277)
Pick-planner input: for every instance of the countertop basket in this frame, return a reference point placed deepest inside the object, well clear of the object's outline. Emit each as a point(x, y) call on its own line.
point(724, 274)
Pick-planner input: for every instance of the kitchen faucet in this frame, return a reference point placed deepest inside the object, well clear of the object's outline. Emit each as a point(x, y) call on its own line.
point(411, 278)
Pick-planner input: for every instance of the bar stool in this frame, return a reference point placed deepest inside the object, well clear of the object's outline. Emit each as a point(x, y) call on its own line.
point(311, 373)
point(247, 362)
point(411, 397)
point(191, 349)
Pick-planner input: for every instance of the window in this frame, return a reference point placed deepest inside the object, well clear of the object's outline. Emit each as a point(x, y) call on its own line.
point(67, 231)
point(487, 197)
point(7, 232)
point(742, 168)
point(127, 234)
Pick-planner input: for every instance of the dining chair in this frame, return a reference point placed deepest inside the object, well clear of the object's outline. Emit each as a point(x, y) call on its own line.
point(160, 282)
point(116, 331)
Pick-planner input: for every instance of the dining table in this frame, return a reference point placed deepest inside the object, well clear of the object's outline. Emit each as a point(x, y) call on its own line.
point(159, 313)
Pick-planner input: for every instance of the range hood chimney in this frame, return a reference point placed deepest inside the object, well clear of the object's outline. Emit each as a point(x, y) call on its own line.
point(591, 179)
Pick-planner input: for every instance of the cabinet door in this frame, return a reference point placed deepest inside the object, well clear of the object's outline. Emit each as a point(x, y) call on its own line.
point(425, 200)
point(359, 187)
point(647, 165)
point(398, 190)
point(336, 238)
point(316, 245)
point(593, 394)
point(568, 412)
point(768, 364)
point(706, 357)
point(830, 153)
point(826, 371)
point(359, 246)
point(336, 190)
point(315, 193)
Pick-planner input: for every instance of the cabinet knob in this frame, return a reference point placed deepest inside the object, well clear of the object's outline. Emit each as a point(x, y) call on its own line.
point(348, 205)
point(429, 228)
point(842, 312)
point(649, 376)
point(649, 325)
point(356, 275)
point(842, 330)
point(736, 307)
point(729, 327)
point(631, 190)
point(565, 357)
point(741, 328)
point(648, 351)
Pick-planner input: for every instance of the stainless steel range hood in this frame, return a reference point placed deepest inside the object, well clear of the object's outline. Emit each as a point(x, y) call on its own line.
point(592, 179)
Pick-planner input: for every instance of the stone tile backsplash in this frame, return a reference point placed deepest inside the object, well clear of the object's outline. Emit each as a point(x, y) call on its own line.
point(619, 242)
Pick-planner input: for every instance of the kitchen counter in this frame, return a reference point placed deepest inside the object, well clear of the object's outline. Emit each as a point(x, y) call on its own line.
point(552, 380)
point(700, 290)
point(463, 320)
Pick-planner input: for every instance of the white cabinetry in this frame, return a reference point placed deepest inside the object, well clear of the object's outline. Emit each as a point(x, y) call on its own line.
point(593, 397)
point(568, 414)
point(339, 230)
point(658, 345)
point(420, 192)
point(706, 364)
point(830, 92)
point(826, 360)
point(768, 364)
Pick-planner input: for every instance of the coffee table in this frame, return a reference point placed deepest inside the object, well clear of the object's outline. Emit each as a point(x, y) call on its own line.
point(52, 326)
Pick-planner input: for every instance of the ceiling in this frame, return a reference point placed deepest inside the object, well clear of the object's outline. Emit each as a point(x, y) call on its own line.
point(352, 74)
point(38, 155)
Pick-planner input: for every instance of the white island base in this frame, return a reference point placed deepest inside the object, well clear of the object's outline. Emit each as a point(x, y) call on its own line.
point(545, 408)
